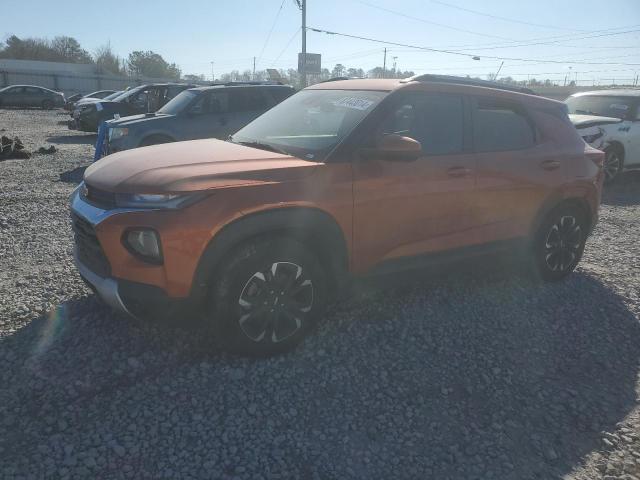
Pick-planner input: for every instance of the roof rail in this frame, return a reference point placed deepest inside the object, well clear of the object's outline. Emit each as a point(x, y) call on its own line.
point(265, 82)
point(468, 81)
point(335, 79)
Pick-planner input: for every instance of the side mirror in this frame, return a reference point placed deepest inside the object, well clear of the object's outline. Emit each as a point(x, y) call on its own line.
point(395, 148)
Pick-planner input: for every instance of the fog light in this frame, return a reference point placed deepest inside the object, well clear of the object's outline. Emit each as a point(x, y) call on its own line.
point(144, 243)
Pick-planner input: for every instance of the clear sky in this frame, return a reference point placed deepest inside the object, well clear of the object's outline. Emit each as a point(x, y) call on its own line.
point(193, 33)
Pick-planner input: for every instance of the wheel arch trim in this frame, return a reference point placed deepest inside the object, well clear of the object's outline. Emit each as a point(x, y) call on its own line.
point(309, 224)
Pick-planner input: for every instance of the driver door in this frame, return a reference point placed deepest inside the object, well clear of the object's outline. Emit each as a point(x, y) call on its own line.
point(407, 208)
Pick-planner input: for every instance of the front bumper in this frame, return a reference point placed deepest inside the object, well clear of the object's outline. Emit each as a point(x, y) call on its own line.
point(136, 296)
point(106, 288)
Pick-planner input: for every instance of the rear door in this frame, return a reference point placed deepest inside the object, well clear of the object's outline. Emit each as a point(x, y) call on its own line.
point(517, 168)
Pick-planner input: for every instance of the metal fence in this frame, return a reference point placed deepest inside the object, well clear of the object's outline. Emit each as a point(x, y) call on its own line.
point(73, 83)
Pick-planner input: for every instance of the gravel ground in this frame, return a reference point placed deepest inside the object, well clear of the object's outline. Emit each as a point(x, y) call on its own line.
point(475, 374)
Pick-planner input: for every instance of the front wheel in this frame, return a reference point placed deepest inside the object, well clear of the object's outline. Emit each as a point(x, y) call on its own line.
point(559, 243)
point(267, 296)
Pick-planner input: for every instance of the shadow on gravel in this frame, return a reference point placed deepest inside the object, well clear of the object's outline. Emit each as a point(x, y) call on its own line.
point(73, 176)
point(86, 139)
point(624, 191)
point(475, 374)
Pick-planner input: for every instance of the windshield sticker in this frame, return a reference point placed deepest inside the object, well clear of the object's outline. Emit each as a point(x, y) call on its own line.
point(353, 102)
point(619, 106)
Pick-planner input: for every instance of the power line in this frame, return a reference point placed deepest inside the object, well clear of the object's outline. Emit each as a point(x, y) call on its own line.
point(275, 20)
point(295, 34)
point(512, 20)
point(395, 12)
point(459, 53)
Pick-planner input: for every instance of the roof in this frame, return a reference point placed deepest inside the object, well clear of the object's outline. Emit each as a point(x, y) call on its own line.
point(222, 86)
point(458, 85)
point(613, 92)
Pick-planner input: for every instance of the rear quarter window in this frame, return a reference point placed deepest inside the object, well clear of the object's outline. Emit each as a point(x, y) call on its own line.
point(501, 126)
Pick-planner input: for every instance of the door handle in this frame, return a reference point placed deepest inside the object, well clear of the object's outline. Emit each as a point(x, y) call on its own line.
point(458, 172)
point(550, 164)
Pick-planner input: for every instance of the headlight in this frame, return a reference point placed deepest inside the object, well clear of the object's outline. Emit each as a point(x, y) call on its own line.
point(143, 242)
point(152, 200)
point(118, 132)
point(593, 138)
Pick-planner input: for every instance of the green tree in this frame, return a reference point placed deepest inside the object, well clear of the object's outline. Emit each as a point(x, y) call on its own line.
point(68, 49)
point(151, 64)
point(106, 60)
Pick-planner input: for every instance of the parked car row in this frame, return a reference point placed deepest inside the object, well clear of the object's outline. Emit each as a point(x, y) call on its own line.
point(73, 99)
point(343, 179)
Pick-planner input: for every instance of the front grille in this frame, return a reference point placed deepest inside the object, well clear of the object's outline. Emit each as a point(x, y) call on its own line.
point(100, 198)
point(88, 247)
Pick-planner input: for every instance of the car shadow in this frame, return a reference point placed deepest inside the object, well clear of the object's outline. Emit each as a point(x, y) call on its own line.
point(439, 375)
point(85, 139)
point(74, 176)
point(625, 191)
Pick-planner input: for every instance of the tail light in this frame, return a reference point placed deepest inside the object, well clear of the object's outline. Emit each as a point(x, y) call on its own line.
point(596, 156)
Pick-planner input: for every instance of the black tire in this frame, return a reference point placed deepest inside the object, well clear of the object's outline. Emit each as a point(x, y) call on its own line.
point(267, 296)
point(47, 104)
point(559, 243)
point(613, 163)
point(155, 140)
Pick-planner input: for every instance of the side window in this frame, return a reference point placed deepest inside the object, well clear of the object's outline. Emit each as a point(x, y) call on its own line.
point(500, 126)
point(218, 102)
point(139, 100)
point(243, 99)
point(32, 91)
point(436, 121)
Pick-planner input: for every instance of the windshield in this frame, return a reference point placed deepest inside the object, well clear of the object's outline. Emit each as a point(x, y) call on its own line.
point(178, 103)
point(128, 93)
point(602, 106)
point(113, 95)
point(311, 123)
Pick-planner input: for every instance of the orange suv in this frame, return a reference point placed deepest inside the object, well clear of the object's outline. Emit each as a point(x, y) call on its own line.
point(345, 178)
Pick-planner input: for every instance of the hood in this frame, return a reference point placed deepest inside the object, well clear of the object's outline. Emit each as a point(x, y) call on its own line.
point(84, 101)
point(133, 120)
point(193, 166)
point(582, 121)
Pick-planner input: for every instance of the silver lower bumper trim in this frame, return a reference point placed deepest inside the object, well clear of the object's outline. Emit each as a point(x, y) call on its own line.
point(107, 288)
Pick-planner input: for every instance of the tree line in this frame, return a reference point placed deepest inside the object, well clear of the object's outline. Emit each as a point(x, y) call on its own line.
point(68, 49)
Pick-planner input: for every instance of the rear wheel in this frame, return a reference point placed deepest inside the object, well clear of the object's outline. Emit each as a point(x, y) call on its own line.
point(613, 163)
point(559, 243)
point(267, 296)
point(47, 104)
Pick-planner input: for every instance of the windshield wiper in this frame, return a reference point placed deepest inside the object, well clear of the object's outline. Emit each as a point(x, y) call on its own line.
point(261, 146)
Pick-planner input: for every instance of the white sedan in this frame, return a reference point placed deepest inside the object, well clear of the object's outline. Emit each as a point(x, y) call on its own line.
point(609, 120)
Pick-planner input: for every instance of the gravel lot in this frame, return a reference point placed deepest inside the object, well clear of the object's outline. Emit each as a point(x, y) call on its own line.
point(475, 374)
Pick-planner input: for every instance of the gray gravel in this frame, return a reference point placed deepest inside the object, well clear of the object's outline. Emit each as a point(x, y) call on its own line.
point(475, 373)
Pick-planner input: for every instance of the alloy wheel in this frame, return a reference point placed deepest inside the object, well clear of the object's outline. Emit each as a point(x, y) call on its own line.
point(563, 243)
point(612, 163)
point(274, 303)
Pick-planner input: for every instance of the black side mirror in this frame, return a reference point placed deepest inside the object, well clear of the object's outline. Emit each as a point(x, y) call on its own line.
point(394, 148)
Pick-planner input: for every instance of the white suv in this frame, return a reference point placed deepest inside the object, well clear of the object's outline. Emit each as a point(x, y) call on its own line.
point(609, 120)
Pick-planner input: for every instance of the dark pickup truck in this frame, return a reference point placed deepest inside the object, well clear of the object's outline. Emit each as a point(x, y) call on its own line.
point(145, 98)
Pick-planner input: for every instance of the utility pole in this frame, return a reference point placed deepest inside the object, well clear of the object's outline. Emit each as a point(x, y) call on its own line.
point(495, 77)
point(384, 64)
point(253, 77)
point(303, 6)
point(394, 66)
point(213, 79)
